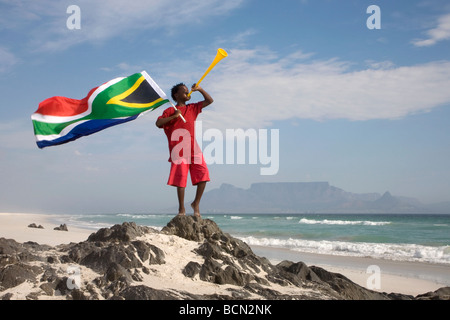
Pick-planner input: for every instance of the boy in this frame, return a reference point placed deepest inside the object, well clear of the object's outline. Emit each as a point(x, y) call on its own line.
point(185, 155)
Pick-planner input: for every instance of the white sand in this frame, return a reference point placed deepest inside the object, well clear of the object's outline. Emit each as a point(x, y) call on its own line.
point(15, 226)
point(399, 277)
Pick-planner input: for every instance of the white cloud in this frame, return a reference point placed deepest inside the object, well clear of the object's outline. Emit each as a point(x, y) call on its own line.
point(251, 90)
point(440, 33)
point(101, 20)
point(124, 68)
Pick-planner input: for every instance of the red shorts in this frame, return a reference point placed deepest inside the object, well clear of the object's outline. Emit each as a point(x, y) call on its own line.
point(179, 172)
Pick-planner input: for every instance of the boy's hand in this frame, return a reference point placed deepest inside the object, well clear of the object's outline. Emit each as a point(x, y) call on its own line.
point(195, 87)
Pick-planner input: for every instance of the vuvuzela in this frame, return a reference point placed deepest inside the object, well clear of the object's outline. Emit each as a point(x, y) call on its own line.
point(219, 56)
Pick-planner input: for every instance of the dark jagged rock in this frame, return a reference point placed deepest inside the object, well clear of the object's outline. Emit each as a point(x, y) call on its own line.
point(125, 232)
point(100, 257)
point(440, 294)
point(156, 255)
point(345, 287)
point(121, 257)
point(192, 269)
point(34, 225)
point(116, 272)
point(296, 273)
point(62, 227)
point(147, 293)
point(190, 228)
point(15, 274)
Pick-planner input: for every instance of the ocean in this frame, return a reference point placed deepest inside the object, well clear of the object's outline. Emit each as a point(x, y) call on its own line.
point(400, 237)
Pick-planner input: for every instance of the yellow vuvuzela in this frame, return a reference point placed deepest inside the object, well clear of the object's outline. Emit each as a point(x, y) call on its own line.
point(219, 56)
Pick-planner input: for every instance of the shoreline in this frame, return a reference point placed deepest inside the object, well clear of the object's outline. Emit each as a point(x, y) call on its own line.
point(405, 277)
point(410, 278)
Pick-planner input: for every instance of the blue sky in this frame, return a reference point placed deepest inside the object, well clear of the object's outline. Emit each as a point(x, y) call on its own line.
point(365, 109)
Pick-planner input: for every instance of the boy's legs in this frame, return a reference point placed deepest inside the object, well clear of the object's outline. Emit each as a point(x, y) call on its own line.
point(178, 178)
point(199, 176)
point(180, 195)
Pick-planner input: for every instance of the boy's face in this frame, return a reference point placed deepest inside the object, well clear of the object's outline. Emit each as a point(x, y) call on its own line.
point(182, 94)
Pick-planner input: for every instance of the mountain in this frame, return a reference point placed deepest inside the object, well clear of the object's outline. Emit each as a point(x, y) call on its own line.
point(304, 197)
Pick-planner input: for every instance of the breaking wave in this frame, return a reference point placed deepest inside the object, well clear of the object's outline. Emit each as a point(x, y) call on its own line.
point(344, 222)
point(400, 252)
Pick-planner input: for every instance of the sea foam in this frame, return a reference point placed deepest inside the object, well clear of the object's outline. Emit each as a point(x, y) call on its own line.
point(399, 252)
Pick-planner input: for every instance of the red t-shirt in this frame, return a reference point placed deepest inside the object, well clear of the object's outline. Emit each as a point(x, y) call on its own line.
point(183, 138)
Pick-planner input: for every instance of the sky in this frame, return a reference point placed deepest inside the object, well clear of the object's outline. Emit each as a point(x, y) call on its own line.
point(336, 90)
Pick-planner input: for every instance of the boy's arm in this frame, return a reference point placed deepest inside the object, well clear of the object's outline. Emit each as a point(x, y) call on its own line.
point(208, 99)
point(161, 122)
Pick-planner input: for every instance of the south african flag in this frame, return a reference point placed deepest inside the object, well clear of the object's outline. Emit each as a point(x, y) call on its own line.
point(60, 120)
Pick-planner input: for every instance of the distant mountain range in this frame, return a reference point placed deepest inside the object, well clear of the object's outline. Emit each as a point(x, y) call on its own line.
point(308, 197)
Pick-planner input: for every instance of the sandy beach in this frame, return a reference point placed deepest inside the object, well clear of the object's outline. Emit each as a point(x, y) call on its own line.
point(15, 226)
point(400, 277)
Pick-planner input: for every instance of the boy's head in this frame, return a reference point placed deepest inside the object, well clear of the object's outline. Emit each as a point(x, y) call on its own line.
point(176, 89)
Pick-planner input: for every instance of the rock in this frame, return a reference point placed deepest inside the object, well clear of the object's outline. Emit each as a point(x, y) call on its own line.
point(49, 275)
point(12, 252)
point(48, 288)
point(143, 250)
point(156, 255)
point(191, 228)
point(62, 227)
point(9, 246)
point(191, 269)
point(100, 258)
point(15, 274)
point(147, 251)
point(78, 295)
point(213, 271)
point(440, 294)
point(116, 272)
point(7, 296)
point(345, 287)
point(125, 232)
point(147, 293)
point(33, 225)
point(297, 273)
point(61, 286)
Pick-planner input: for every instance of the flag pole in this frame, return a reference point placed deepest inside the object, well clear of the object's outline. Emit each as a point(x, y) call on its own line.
point(181, 116)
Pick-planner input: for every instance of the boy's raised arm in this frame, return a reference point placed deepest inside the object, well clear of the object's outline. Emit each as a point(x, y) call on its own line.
point(208, 99)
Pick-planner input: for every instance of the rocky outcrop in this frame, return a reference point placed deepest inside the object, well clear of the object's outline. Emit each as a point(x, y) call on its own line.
point(117, 262)
point(228, 260)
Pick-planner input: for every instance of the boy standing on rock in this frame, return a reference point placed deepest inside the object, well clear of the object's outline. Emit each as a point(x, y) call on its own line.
point(185, 153)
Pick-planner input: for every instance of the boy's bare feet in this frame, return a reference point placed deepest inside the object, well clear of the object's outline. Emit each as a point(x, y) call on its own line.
point(196, 209)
